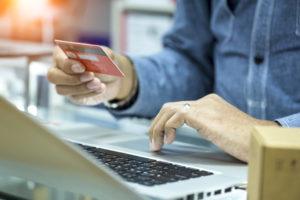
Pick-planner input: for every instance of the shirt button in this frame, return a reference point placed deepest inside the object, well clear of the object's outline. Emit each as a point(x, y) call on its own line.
point(258, 59)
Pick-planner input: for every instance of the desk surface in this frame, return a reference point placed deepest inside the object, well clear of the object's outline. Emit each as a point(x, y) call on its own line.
point(9, 48)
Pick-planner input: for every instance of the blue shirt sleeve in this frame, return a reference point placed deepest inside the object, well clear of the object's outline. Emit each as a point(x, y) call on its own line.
point(183, 70)
point(290, 121)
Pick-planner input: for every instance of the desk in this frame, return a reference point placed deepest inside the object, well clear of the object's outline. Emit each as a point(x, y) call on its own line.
point(32, 51)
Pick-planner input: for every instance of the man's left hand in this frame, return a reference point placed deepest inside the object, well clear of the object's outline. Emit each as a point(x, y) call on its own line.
point(213, 118)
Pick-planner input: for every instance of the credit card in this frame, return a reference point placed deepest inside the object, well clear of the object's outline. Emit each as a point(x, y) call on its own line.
point(93, 57)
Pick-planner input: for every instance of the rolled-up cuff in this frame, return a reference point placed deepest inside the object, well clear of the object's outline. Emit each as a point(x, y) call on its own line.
point(144, 104)
point(290, 121)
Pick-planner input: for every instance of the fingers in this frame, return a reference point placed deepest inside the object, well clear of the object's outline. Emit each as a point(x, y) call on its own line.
point(91, 87)
point(74, 84)
point(163, 128)
point(176, 121)
point(72, 67)
point(170, 136)
point(157, 131)
point(68, 66)
point(58, 77)
point(71, 79)
point(165, 108)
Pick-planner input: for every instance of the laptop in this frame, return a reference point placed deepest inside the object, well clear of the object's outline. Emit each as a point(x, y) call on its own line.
point(121, 169)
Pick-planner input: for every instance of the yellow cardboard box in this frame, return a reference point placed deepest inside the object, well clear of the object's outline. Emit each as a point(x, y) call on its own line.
point(274, 166)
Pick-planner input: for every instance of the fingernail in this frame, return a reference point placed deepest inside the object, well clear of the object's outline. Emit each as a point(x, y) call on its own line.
point(77, 68)
point(94, 85)
point(86, 78)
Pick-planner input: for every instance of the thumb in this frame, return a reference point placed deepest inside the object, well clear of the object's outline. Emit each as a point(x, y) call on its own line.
point(108, 52)
point(59, 56)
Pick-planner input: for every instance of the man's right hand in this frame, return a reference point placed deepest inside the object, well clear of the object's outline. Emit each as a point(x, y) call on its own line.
point(87, 88)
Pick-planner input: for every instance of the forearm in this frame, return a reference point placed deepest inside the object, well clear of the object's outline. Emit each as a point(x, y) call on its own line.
point(164, 77)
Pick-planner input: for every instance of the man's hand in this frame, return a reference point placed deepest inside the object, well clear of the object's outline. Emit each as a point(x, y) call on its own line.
point(87, 88)
point(213, 118)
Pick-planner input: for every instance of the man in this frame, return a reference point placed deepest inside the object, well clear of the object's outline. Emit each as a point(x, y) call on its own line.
point(246, 52)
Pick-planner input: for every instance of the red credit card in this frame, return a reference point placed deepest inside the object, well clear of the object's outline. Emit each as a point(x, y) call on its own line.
point(93, 57)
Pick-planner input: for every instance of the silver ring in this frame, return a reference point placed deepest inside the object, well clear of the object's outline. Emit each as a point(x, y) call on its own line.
point(186, 106)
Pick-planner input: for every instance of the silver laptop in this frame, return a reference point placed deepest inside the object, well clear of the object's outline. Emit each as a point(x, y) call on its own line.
point(120, 169)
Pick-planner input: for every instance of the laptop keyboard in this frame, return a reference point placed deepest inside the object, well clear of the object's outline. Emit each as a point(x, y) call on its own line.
point(145, 171)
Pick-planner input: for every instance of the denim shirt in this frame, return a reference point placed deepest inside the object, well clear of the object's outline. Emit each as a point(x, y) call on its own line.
point(248, 53)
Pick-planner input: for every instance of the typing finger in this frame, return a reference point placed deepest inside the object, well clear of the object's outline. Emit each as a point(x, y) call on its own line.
point(157, 131)
point(176, 121)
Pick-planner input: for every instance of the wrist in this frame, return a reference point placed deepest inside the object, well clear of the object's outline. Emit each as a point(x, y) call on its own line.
point(128, 83)
point(268, 123)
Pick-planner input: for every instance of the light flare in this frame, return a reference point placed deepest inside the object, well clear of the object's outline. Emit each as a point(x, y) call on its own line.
point(32, 8)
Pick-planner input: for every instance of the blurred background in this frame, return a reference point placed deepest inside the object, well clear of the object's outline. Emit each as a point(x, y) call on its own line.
point(29, 27)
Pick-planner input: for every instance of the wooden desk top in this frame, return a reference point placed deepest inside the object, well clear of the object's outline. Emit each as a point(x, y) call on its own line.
point(10, 48)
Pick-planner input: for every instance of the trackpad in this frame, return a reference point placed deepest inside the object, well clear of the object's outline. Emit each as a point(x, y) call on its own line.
point(177, 150)
point(143, 145)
